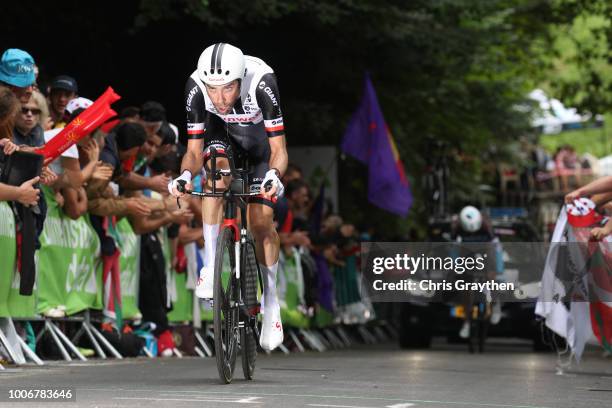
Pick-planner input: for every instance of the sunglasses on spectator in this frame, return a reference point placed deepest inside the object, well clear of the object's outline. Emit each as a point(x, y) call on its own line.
point(34, 111)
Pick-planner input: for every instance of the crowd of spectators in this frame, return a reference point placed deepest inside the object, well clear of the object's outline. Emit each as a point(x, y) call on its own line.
point(121, 170)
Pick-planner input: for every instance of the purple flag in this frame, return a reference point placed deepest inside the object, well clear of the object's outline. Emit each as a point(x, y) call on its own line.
point(368, 139)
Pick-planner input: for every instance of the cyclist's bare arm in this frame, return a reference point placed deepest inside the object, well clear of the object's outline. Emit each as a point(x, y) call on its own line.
point(191, 165)
point(278, 153)
point(193, 159)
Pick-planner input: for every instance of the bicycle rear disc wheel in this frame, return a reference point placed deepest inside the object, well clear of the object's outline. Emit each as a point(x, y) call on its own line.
point(225, 306)
point(248, 286)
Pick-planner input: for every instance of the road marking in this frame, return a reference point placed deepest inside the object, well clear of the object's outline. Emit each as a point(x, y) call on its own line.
point(476, 404)
point(338, 406)
point(248, 400)
point(240, 398)
point(232, 398)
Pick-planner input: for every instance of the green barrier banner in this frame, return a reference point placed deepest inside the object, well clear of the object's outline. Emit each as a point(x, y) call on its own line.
point(182, 309)
point(180, 297)
point(129, 266)
point(162, 235)
point(323, 317)
point(352, 307)
point(54, 257)
point(84, 278)
point(18, 305)
point(346, 282)
point(68, 262)
point(8, 249)
point(290, 285)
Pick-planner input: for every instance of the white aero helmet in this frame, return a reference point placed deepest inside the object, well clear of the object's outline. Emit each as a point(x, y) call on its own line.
point(220, 64)
point(470, 218)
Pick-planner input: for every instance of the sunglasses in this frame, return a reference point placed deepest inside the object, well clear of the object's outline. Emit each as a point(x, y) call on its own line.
point(25, 111)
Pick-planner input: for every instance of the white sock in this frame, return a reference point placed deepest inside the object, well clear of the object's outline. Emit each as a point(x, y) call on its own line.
point(269, 283)
point(211, 232)
point(272, 328)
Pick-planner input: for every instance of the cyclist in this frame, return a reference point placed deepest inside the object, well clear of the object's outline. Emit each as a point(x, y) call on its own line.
point(472, 229)
point(233, 98)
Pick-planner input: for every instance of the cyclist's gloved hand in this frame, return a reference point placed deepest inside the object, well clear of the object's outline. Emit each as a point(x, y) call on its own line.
point(172, 186)
point(272, 178)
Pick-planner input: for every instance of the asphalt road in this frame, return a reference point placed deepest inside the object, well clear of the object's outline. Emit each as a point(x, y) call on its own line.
point(508, 376)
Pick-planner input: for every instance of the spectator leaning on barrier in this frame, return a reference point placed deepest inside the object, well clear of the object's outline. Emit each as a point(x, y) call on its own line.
point(129, 114)
point(29, 220)
point(298, 200)
point(152, 115)
point(120, 145)
point(150, 119)
point(9, 107)
point(155, 299)
point(62, 90)
point(169, 136)
point(171, 163)
point(293, 172)
point(73, 175)
point(28, 134)
point(27, 130)
point(25, 194)
point(124, 175)
point(17, 73)
point(148, 152)
point(284, 215)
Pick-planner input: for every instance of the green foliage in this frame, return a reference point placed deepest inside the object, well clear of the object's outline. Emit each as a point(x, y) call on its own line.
point(581, 67)
point(597, 142)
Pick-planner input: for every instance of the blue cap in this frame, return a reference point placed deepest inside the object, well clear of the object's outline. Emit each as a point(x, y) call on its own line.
point(17, 68)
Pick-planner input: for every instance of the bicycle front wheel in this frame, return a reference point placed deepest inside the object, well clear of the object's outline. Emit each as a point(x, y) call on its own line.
point(226, 299)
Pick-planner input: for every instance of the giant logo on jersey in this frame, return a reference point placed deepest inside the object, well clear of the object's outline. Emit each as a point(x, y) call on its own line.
point(271, 95)
point(268, 90)
point(190, 96)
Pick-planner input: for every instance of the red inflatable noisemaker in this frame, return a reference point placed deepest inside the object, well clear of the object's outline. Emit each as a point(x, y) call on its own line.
point(81, 126)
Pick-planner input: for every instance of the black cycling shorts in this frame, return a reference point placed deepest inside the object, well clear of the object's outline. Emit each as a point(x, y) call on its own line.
point(250, 142)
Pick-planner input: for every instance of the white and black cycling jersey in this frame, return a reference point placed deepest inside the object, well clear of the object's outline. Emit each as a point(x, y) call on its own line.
point(256, 113)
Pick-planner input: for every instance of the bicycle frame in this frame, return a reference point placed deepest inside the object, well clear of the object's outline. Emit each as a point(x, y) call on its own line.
point(232, 199)
point(243, 302)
